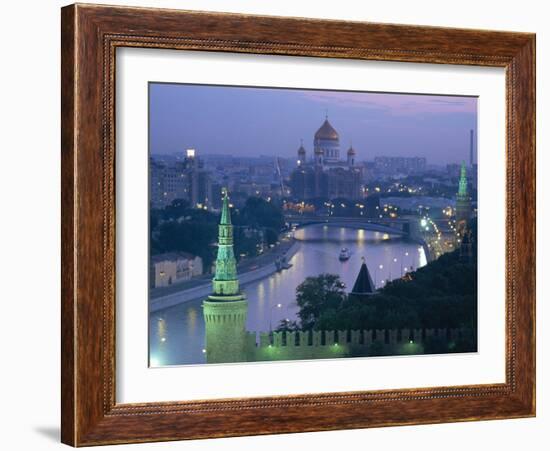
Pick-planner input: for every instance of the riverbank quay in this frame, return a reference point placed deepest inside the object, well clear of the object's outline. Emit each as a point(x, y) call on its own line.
point(250, 270)
point(427, 251)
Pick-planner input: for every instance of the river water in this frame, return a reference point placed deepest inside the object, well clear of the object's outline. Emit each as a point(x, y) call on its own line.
point(176, 334)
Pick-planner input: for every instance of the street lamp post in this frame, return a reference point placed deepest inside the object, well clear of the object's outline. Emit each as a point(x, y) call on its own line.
point(271, 316)
point(376, 274)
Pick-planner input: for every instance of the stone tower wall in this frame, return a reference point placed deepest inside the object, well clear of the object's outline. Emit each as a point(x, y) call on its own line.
point(226, 336)
point(308, 345)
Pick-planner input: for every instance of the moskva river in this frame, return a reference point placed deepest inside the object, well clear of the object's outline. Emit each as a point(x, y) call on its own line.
point(176, 334)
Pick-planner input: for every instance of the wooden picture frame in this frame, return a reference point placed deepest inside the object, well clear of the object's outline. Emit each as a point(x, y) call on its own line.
point(90, 36)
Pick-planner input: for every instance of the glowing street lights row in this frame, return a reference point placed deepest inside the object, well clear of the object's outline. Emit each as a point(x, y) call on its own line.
point(394, 260)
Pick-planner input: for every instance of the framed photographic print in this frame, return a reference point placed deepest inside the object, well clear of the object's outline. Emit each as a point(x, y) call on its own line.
point(279, 225)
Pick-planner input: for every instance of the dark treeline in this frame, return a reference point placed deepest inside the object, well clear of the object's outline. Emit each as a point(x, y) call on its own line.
point(179, 227)
point(442, 294)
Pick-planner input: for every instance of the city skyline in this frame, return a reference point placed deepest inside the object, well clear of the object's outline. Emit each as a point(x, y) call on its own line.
point(351, 246)
point(249, 121)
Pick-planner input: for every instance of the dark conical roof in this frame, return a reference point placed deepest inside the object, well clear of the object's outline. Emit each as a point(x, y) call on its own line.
point(364, 284)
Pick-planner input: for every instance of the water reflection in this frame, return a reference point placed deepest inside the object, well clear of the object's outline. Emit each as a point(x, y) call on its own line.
point(178, 337)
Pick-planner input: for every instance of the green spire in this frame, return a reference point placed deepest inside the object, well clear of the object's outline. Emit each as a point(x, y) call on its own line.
point(463, 182)
point(225, 282)
point(226, 308)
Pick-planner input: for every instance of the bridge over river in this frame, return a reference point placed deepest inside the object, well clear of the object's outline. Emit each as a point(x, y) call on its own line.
point(404, 226)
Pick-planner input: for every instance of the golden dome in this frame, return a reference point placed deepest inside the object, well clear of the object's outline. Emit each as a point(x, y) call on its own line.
point(327, 132)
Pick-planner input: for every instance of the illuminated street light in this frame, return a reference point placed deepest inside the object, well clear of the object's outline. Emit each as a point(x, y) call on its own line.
point(271, 315)
point(376, 273)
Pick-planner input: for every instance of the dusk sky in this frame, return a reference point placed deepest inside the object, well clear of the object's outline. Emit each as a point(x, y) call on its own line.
point(246, 121)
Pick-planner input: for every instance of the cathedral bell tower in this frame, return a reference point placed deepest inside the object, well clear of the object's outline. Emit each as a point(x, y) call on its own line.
point(351, 156)
point(301, 155)
point(225, 310)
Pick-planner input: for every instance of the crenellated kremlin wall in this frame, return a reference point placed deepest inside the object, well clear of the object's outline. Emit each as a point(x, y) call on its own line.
point(305, 345)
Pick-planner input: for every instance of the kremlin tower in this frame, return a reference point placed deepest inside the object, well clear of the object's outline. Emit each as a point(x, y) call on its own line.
point(463, 201)
point(225, 310)
point(364, 285)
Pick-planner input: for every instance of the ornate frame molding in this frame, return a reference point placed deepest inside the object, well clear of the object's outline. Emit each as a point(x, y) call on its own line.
point(90, 37)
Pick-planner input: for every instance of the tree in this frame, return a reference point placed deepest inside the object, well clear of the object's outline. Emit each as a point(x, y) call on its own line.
point(259, 213)
point(316, 295)
point(193, 237)
point(246, 244)
point(288, 326)
point(442, 294)
point(270, 236)
point(177, 209)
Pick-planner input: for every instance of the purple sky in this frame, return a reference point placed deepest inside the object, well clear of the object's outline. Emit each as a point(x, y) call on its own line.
point(266, 121)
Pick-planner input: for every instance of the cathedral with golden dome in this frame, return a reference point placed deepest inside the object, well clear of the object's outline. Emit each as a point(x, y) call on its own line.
point(325, 174)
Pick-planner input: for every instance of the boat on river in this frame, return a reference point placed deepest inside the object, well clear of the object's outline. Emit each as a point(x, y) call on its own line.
point(345, 254)
point(282, 263)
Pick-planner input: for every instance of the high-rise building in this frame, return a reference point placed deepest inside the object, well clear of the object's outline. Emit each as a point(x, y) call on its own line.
point(156, 183)
point(225, 310)
point(404, 165)
point(199, 181)
point(187, 179)
point(168, 181)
